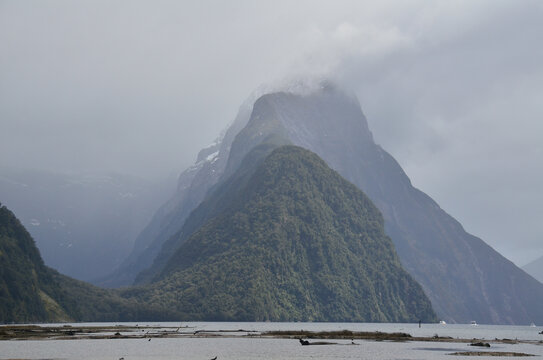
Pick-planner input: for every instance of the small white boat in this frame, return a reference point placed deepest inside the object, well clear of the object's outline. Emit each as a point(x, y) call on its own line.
point(442, 322)
point(473, 323)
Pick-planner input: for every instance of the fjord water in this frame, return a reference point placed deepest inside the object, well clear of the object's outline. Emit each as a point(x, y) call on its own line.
point(241, 347)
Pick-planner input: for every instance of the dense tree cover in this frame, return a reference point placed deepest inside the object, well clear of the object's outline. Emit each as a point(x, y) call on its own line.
point(464, 278)
point(32, 292)
point(284, 239)
point(86, 302)
point(24, 280)
point(224, 195)
point(293, 241)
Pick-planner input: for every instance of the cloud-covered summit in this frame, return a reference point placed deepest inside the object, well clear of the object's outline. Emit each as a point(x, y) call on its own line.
point(451, 89)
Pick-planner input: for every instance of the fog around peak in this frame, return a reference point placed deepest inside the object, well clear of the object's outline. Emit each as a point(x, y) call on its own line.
point(451, 89)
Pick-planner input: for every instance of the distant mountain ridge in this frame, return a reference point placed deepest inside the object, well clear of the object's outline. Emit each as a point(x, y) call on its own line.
point(31, 292)
point(535, 268)
point(285, 238)
point(464, 278)
point(192, 186)
point(83, 224)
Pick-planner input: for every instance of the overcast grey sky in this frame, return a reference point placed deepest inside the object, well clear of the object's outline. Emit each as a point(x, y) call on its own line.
point(452, 89)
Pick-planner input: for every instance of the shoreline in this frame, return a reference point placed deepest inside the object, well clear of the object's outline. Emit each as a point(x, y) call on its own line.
point(71, 332)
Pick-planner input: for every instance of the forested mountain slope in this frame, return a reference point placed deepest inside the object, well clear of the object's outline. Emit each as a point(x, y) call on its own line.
point(288, 240)
point(32, 292)
point(464, 278)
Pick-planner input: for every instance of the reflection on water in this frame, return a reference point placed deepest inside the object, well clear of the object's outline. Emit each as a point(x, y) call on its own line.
point(240, 347)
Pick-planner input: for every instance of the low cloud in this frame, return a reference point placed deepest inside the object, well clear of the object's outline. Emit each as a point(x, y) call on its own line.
point(452, 89)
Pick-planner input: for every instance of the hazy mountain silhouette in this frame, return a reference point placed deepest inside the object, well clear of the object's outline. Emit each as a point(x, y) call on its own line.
point(83, 224)
point(535, 268)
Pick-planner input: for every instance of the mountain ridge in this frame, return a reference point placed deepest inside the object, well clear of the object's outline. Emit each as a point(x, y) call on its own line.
point(192, 187)
point(432, 246)
point(83, 223)
point(31, 292)
point(535, 269)
point(464, 277)
point(293, 242)
point(208, 208)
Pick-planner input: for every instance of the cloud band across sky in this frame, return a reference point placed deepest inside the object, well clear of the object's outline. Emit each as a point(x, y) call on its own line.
point(453, 89)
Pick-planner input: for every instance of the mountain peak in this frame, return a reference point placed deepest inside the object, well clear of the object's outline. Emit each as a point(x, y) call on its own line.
point(292, 241)
point(456, 269)
point(319, 117)
point(305, 86)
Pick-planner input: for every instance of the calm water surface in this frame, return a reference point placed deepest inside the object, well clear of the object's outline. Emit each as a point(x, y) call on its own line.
point(226, 348)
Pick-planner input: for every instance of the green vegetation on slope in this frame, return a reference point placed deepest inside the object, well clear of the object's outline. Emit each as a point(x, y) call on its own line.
point(224, 195)
point(32, 292)
point(86, 302)
point(296, 243)
point(285, 238)
point(24, 280)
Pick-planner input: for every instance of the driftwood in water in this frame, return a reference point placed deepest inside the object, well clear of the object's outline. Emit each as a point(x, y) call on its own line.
point(480, 343)
point(305, 342)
